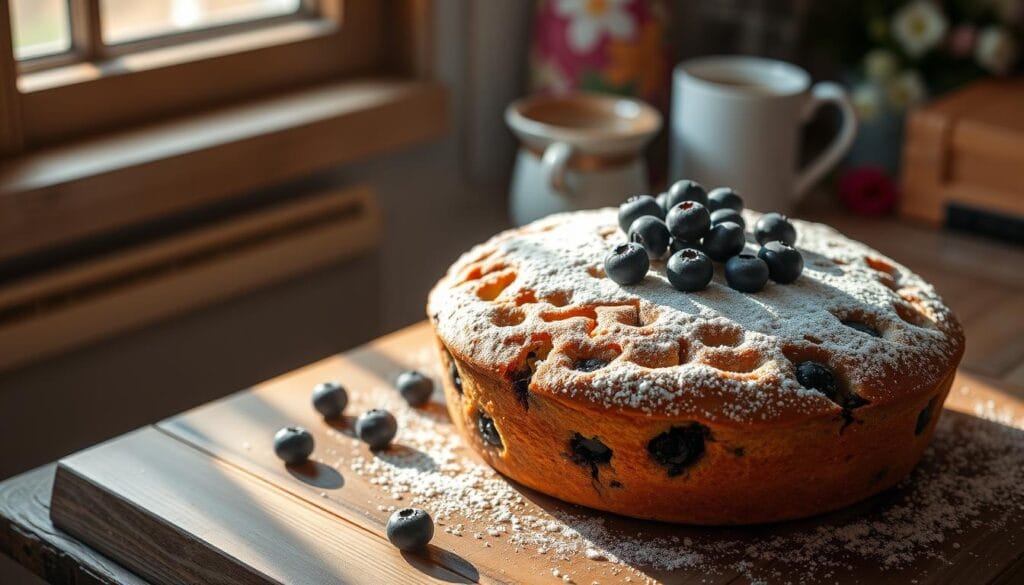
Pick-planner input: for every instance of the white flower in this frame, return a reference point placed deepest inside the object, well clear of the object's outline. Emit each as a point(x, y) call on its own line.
point(548, 76)
point(589, 19)
point(996, 50)
point(919, 26)
point(880, 64)
point(906, 90)
point(867, 101)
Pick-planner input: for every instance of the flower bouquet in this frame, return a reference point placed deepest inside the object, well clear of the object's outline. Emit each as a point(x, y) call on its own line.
point(897, 54)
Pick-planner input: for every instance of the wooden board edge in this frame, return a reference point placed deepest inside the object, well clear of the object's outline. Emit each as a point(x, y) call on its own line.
point(77, 505)
point(270, 537)
point(29, 538)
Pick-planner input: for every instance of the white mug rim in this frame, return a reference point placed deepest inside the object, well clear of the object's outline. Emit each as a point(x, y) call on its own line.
point(792, 79)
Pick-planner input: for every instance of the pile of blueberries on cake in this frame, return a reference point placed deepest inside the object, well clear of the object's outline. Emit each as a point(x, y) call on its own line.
point(695, 228)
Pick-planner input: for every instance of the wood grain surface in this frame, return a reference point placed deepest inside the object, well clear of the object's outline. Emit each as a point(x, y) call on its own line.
point(207, 482)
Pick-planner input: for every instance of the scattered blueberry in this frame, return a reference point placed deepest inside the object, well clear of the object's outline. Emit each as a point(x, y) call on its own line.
point(685, 190)
point(489, 432)
point(924, 417)
point(410, 529)
point(589, 452)
point(724, 198)
point(521, 381)
point(376, 428)
point(589, 364)
point(819, 377)
point(627, 264)
point(774, 227)
point(414, 387)
point(863, 328)
point(689, 270)
point(638, 206)
point(677, 245)
point(330, 399)
point(724, 241)
point(679, 447)
point(662, 200)
point(727, 214)
point(784, 261)
point(651, 233)
point(293, 445)
point(746, 273)
point(688, 220)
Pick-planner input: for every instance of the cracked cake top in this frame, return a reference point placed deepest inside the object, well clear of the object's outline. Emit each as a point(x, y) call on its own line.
point(533, 305)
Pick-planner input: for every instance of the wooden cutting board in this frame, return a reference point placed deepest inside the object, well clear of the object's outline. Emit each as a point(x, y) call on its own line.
point(201, 498)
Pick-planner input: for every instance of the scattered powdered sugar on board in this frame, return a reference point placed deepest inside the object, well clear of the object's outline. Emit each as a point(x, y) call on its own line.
point(970, 480)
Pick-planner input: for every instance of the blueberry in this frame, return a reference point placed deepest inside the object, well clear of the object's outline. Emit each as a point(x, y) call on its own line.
point(453, 373)
point(589, 364)
point(818, 377)
point(677, 245)
point(589, 452)
point(774, 227)
point(784, 261)
point(688, 220)
point(414, 387)
point(724, 198)
point(330, 399)
point(410, 529)
point(651, 233)
point(863, 328)
point(638, 206)
point(662, 200)
point(685, 190)
point(724, 241)
point(924, 417)
point(293, 445)
point(727, 214)
point(376, 428)
point(521, 380)
point(746, 273)
point(689, 270)
point(678, 448)
point(627, 264)
point(489, 432)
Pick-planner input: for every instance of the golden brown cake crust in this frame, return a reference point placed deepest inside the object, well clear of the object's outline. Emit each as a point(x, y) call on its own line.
point(555, 353)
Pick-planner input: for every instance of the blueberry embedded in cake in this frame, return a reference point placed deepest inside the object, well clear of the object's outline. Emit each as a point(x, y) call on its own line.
point(768, 385)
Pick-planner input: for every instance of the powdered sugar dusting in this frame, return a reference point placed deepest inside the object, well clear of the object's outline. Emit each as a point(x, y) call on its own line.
point(970, 482)
point(543, 286)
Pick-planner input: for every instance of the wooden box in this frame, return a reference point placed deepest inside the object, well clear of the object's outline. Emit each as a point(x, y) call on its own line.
point(963, 159)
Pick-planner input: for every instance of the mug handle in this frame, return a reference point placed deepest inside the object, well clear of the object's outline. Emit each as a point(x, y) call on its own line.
point(827, 92)
point(554, 163)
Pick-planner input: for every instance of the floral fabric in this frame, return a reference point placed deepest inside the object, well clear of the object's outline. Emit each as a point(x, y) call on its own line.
point(611, 46)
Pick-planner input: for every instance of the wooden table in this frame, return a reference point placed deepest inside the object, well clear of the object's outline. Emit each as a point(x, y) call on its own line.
point(200, 498)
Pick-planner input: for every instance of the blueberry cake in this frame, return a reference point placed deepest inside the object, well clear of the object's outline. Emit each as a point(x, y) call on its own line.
point(724, 404)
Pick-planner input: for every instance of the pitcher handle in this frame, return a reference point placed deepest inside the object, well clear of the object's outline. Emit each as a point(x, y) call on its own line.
point(554, 164)
point(827, 92)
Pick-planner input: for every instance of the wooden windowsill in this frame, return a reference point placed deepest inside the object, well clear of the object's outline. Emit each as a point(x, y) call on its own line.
point(37, 76)
point(59, 195)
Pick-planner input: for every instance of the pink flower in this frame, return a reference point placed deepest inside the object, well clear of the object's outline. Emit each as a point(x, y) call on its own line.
point(962, 39)
point(867, 190)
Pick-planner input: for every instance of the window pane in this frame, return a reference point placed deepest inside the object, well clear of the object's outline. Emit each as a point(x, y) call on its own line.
point(40, 27)
point(129, 20)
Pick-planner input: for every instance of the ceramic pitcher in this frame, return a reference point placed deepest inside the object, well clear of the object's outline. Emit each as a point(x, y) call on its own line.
point(577, 151)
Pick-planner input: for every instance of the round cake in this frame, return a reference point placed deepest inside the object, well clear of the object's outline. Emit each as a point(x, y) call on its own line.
point(689, 407)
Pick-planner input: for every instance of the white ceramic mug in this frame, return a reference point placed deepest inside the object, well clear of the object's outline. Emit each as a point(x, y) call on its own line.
point(577, 151)
point(736, 122)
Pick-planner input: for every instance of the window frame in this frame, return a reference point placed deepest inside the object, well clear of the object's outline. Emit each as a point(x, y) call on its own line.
point(99, 88)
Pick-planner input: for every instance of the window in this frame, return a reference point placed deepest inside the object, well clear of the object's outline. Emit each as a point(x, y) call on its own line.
point(81, 67)
point(40, 28)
